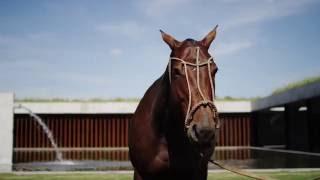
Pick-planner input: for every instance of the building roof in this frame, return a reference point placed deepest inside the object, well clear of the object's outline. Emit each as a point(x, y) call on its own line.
point(308, 91)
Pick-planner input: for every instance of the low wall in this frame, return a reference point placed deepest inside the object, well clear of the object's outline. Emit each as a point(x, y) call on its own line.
point(6, 131)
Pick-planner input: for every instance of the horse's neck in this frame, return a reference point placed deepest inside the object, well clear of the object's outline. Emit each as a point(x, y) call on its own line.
point(170, 123)
point(160, 105)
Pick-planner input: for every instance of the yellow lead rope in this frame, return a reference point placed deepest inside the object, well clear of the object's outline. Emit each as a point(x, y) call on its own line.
point(238, 171)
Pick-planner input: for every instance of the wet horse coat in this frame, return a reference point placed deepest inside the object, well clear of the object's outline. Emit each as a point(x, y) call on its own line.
point(166, 139)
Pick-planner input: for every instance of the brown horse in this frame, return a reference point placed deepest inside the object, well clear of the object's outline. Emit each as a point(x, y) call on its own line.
point(173, 131)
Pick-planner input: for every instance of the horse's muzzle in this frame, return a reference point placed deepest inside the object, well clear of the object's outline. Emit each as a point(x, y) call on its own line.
point(204, 135)
point(203, 128)
point(203, 139)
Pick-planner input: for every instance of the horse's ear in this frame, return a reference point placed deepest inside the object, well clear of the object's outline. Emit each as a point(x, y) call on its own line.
point(206, 41)
point(173, 43)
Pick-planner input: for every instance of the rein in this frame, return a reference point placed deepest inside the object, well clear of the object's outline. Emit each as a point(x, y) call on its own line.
point(204, 102)
point(238, 171)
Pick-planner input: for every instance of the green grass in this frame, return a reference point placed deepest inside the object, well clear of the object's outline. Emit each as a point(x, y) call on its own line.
point(274, 175)
point(230, 98)
point(297, 84)
point(74, 176)
point(283, 175)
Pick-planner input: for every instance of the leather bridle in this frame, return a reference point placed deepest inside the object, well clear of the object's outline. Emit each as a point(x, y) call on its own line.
point(204, 101)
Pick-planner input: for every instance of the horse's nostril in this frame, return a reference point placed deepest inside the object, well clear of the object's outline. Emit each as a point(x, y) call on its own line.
point(194, 129)
point(204, 134)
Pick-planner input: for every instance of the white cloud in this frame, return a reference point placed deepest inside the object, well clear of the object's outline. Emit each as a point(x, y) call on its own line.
point(157, 8)
point(249, 12)
point(115, 51)
point(32, 46)
point(129, 29)
point(253, 13)
point(232, 47)
point(77, 77)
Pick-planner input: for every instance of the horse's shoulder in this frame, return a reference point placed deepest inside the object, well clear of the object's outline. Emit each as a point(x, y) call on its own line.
point(150, 97)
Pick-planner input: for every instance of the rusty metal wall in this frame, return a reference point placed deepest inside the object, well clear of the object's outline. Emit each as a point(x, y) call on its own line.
point(99, 136)
point(235, 130)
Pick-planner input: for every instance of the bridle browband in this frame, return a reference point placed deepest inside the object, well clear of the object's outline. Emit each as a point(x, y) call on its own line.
point(204, 101)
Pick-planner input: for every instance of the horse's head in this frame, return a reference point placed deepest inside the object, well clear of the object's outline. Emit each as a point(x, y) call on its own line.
point(191, 74)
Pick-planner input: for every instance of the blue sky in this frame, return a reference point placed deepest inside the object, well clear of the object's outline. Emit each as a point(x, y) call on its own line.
point(108, 49)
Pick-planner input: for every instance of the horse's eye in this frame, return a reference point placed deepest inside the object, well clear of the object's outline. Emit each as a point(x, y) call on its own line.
point(177, 72)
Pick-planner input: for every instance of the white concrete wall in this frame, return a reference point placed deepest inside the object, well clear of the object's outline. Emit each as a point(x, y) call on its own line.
point(6, 131)
point(78, 107)
point(233, 106)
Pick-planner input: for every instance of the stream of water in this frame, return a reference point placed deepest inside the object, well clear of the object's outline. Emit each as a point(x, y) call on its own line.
point(45, 129)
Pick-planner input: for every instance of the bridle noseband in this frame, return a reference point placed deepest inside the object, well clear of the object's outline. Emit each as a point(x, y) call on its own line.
point(204, 101)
